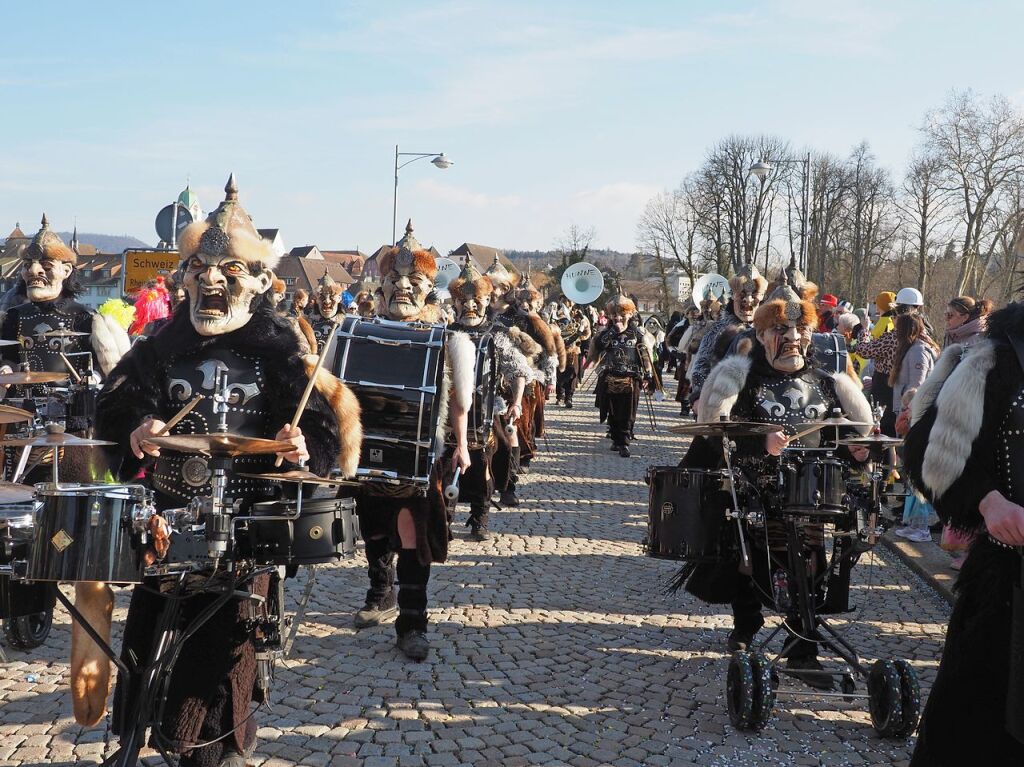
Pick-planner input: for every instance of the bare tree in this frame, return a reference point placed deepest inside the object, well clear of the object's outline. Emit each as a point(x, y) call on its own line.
point(982, 148)
point(574, 245)
point(925, 204)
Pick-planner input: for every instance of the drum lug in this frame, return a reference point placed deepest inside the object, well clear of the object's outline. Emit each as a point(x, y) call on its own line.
point(94, 513)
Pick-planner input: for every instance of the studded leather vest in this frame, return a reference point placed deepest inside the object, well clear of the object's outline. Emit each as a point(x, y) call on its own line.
point(790, 401)
point(31, 320)
point(183, 476)
point(322, 328)
point(1010, 450)
point(621, 352)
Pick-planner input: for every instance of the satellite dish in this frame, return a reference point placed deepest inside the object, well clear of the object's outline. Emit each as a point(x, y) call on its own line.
point(167, 225)
point(709, 285)
point(447, 272)
point(582, 283)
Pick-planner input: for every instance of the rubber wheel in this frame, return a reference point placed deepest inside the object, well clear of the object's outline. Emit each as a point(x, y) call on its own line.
point(739, 691)
point(910, 699)
point(764, 690)
point(885, 698)
point(28, 631)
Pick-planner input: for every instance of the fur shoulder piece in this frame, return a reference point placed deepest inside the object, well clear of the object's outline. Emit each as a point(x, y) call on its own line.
point(854, 403)
point(346, 409)
point(541, 333)
point(722, 388)
point(110, 342)
point(961, 408)
point(929, 390)
point(556, 336)
point(530, 348)
point(306, 336)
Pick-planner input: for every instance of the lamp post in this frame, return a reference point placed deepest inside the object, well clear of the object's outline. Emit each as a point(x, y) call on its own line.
point(761, 169)
point(439, 161)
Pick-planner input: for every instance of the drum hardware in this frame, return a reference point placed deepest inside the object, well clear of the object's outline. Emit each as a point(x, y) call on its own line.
point(727, 447)
point(451, 492)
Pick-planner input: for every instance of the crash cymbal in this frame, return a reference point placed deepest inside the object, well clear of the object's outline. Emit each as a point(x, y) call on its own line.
point(54, 440)
point(220, 444)
point(62, 333)
point(10, 414)
point(29, 378)
point(299, 475)
point(725, 429)
point(836, 420)
point(14, 493)
point(873, 440)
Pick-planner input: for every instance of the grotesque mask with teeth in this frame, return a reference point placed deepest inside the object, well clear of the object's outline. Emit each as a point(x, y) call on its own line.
point(222, 291)
point(405, 289)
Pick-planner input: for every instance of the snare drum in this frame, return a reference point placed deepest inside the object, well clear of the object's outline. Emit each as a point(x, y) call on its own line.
point(814, 486)
point(324, 532)
point(396, 371)
point(685, 514)
point(85, 533)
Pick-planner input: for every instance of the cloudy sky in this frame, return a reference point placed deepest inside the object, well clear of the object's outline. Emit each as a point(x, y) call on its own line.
point(554, 112)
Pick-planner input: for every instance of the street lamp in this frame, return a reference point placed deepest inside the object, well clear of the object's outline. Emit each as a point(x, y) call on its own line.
point(761, 169)
point(439, 161)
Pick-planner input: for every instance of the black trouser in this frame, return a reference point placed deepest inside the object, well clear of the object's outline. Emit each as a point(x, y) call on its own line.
point(566, 384)
point(622, 414)
point(881, 393)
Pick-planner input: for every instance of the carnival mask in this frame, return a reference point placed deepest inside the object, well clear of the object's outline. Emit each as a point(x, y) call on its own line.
point(619, 320)
point(472, 309)
point(744, 303)
point(786, 345)
point(328, 300)
point(404, 291)
point(221, 291)
point(44, 278)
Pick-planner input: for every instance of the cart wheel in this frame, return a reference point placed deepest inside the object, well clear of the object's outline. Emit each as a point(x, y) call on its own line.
point(885, 698)
point(28, 631)
point(739, 690)
point(910, 699)
point(848, 685)
point(764, 692)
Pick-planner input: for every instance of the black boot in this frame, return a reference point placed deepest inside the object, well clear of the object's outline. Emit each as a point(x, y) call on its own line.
point(380, 598)
point(478, 521)
point(508, 495)
point(411, 625)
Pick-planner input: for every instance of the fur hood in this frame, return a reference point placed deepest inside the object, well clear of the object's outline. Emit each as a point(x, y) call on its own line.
point(729, 377)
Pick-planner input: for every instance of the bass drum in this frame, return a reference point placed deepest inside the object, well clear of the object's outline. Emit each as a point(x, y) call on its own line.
point(324, 532)
point(396, 371)
point(685, 515)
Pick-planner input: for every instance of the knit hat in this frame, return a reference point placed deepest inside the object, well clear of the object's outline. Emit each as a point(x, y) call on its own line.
point(829, 300)
point(884, 300)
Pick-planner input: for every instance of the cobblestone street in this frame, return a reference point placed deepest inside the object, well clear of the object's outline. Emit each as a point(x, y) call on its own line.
point(554, 643)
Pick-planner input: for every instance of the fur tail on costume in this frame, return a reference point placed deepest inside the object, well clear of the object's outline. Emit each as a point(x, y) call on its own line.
point(90, 667)
point(346, 409)
point(711, 583)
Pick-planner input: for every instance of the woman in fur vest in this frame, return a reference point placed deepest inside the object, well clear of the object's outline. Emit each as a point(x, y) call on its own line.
point(227, 325)
point(965, 452)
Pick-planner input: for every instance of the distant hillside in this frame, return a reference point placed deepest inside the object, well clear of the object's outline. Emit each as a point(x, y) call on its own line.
point(106, 243)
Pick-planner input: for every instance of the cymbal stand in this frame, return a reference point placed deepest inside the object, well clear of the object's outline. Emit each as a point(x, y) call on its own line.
point(727, 447)
point(218, 519)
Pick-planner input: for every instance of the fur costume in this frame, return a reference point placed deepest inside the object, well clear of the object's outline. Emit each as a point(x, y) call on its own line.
point(961, 447)
point(223, 675)
point(242, 240)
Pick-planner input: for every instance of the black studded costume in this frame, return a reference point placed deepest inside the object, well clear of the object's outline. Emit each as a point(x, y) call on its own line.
point(29, 321)
point(625, 366)
point(211, 690)
point(968, 440)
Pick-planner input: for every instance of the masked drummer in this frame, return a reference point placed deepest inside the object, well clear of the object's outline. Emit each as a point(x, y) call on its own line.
point(402, 518)
point(326, 308)
point(775, 381)
point(226, 331)
point(50, 277)
point(471, 296)
point(623, 353)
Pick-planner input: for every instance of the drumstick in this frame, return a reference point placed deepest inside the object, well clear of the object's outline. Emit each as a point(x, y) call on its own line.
point(312, 381)
point(71, 368)
point(179, 415)
point(805, 432)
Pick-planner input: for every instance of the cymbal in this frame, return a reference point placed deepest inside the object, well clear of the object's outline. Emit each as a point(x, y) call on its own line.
point(299, 475)
point(27, 378)
point(62, 333)
point(725, 428)
point(874, 440)
point(14, 493)
point(10, 414)
point(220, 444)
point(59, 439)
point(830, 421)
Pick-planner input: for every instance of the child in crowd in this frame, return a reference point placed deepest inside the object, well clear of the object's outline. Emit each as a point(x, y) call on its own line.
point(917, 512)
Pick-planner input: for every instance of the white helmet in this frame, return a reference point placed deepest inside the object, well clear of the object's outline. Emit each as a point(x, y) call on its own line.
point(909, 297)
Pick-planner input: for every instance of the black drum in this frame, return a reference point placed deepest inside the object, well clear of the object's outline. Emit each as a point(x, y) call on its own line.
point(830, 352)
point(814, 486)
point(16, 524)
point(686, 512)
point(324, 532)
point(85, 533)
point(395, 370)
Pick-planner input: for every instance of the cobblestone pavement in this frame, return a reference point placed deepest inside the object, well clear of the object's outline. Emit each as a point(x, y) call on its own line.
point(554, 644)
